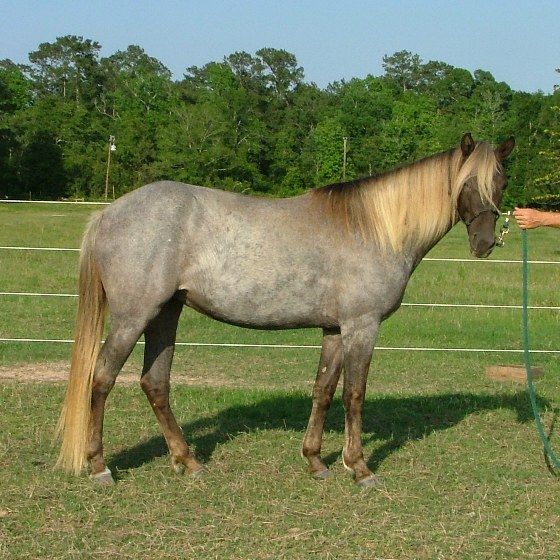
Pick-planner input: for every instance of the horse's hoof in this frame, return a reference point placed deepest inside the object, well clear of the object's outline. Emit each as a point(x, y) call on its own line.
point(322, 475)
point(370, 481)
point(103, 478)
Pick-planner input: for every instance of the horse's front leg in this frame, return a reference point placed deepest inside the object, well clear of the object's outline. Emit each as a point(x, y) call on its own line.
point(328, 373)
point(358, 339)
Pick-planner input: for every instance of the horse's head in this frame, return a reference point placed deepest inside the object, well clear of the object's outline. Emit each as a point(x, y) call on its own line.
point(478, 205)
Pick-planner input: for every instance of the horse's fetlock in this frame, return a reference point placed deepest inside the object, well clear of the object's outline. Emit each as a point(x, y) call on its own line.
point(308, 451)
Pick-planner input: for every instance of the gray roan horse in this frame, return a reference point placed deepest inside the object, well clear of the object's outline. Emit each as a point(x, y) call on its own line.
point(337, 257)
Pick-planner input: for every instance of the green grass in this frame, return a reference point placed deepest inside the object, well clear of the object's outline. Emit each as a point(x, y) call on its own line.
point(462, 470)
point(460, 458)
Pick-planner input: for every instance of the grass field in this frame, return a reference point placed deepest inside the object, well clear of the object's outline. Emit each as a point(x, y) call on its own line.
point(462, 466)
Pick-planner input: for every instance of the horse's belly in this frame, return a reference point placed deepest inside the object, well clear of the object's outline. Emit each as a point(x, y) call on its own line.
point(262, 307)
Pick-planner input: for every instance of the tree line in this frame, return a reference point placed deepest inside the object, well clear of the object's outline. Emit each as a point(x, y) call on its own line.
point(250, 123)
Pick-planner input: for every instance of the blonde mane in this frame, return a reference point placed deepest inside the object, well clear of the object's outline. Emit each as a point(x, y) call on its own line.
point(411, 206)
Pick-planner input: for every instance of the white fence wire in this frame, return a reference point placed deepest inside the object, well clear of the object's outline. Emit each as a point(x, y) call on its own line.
point(428, 259)
point(306, 346)
point(404, 304)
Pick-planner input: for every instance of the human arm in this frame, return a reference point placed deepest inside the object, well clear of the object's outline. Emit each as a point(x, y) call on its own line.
point(529, 218)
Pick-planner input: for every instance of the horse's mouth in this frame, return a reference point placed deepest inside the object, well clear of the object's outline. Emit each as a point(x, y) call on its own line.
point(482, 254)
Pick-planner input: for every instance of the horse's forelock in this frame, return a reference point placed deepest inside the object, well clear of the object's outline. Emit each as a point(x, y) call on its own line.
point(482, 164)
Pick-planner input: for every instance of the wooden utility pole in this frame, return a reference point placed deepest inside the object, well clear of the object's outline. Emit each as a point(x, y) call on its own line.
point(112, 148)
point(344, 151)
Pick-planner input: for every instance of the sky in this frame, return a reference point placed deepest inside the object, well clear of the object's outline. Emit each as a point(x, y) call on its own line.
point(518, 41)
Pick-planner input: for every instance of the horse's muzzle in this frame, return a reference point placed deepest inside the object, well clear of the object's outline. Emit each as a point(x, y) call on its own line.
point(482, 245)
point(482, 235)
point(482, 254)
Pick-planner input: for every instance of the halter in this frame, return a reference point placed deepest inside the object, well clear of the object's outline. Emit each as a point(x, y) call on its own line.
point(469, 222)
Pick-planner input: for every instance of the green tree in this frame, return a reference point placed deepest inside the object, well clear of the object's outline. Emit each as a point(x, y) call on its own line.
point(250, 122)
point(404, 68)
point(42, 169)
point(365, 106)
point(412, 132)
point(226, 134)
point(68, 67)
point(288, 168)
point(547, 179)
point(15, 89)
point(136, 101)
point(489, 105)
point(448, 86)
point(15, 95)
point(281, 71)
point(523, 119)
point(325, 151)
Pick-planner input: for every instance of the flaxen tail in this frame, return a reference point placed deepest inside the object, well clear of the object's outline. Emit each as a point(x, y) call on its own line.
point(74, 423)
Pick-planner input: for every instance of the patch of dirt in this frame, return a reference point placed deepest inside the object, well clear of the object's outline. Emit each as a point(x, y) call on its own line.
point(48, 372)
point(57, 372)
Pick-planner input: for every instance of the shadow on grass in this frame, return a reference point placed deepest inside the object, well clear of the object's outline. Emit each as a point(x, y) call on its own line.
point(393, 421)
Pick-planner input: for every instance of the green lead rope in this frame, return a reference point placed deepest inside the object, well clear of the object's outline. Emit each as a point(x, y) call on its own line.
point(548, 451)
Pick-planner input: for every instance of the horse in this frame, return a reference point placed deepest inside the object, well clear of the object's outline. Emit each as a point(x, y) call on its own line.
point(337, 257)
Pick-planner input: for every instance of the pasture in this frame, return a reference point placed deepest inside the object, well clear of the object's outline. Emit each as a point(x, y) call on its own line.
point(462, 465)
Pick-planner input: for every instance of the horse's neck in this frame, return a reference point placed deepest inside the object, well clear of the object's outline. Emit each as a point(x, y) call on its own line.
point(419, 252)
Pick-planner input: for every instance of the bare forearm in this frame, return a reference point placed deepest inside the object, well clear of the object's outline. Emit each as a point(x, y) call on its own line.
point(552, 219)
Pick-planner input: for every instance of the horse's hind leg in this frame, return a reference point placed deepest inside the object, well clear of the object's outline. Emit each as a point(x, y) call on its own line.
point(160, 345)
point(114, 353)
point(328, 373)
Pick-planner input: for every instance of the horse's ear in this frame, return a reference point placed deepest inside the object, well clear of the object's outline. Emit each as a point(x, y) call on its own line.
point(467, 144)
point(504, 149)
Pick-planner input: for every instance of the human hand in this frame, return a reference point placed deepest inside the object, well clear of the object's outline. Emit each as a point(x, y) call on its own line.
point(529, 218)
